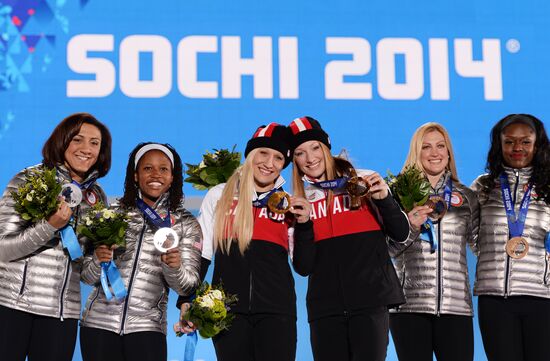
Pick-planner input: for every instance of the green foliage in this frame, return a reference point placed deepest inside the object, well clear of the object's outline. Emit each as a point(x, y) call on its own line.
point(214, 169)
point(411, 188)
point(209, 311)
point(38, 197)
point(104, 226)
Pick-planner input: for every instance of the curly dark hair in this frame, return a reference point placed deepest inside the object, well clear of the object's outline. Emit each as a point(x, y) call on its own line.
point(130, 196)
point(540, 178)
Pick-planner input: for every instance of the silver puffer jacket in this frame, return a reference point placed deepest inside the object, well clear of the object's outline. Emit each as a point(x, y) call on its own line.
point(36, 274)
point(497, 274)
point(146, 278)
point(438, 283)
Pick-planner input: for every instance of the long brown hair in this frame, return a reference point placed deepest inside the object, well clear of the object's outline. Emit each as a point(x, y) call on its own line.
point(53, 151)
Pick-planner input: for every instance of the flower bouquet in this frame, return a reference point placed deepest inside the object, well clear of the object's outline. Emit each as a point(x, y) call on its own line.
point(104, 226)
point(410, 187)
point(214, 169)
point(38, 197)
point(209, 311)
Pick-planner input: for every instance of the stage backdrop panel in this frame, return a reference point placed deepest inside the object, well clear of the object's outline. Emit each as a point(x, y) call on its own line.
point(202, 75)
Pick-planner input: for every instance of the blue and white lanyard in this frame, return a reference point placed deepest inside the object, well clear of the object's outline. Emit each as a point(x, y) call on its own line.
point(68, 235)
point(427, 231)
point(515, 224)
point(153, 216)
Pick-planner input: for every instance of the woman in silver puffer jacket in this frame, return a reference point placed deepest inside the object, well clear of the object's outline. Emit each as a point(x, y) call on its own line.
point(39, 280)
point(432, 268)
point(134, 328)
point(512, 277)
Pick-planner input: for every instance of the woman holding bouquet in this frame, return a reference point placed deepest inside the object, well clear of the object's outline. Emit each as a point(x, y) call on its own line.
point(431, 264)
point(252, 239)
point(513, 267)
point(39, 278)
point(351, 278)
point(134, 328)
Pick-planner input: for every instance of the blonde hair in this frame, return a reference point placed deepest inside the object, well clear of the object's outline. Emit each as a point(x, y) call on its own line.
point(416, 148)
point(239, 227)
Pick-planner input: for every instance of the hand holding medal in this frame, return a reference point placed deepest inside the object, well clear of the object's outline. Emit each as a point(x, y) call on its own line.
point(301, 209)
point(378, 188)
point(357, 188)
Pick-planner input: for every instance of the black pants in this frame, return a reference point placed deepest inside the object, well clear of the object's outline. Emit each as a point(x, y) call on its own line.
point(417, 336)
point(261, 337)
point(102, 345)
point(515, 328)
point(24, 334)
point(355, 337)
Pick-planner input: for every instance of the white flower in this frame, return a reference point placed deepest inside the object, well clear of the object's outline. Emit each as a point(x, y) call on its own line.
point(44, 186)
point(89, 222)
point(109, 214)
point(216, 295)
point(206, 302)
point(29, 197)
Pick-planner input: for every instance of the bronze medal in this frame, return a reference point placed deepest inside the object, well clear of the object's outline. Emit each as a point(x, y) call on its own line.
point(438, 206)
point(279, 202)
point(357, 187)
point(517, 247)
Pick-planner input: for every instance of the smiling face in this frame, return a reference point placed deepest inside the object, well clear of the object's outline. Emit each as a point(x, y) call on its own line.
point(82, 152)
point(518, 145)
point(310, 159)
point(153, 175)
point(267, 165)
point(434, 154)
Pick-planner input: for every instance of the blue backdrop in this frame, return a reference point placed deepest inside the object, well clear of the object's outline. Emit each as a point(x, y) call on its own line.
point(203, 75)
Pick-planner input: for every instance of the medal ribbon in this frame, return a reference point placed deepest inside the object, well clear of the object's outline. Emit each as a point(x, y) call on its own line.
point(547, 242)
point(332, 184)
point(427, 233)
point(190, 342)
point(190, 345)
point(260, 203)
point(427, 229)
point(515, 224)
point(111, 275)
point(68, 236)
point(153, 216)
point(70, 242)
point(86, 185)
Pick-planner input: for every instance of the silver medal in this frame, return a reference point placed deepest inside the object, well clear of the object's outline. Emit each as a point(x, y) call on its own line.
point(165, 238)
point(72, 194)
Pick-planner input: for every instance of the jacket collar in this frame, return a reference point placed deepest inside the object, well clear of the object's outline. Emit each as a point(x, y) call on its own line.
point(440, 185)
point(278, 184)
point(65, 175)
point(522, 172)
point(162, 201)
